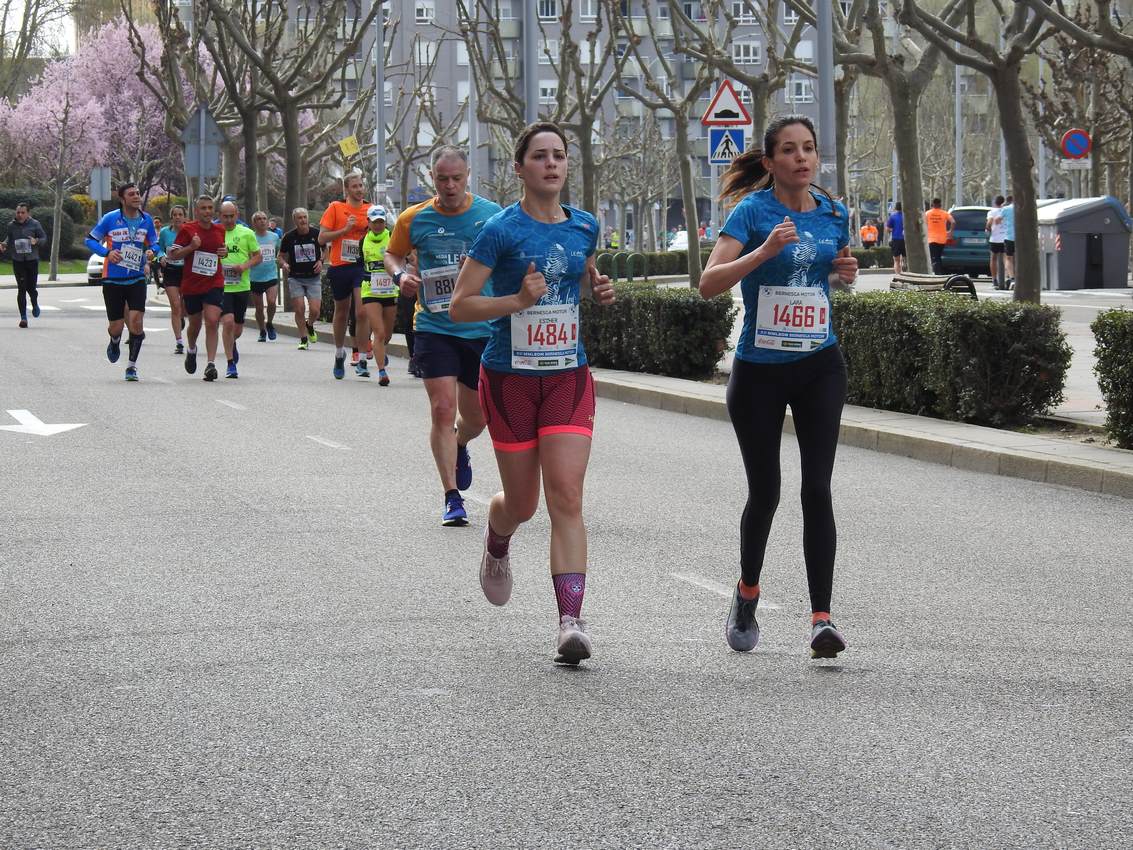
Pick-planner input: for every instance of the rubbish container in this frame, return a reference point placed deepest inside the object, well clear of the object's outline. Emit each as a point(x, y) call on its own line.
point(1084, 243)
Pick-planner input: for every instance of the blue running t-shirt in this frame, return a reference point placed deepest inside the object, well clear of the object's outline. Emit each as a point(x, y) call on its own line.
point(165, 240)
point(508, 243)
point(131, 237)
point(823, 232)
point(896, 224)
point(441, 239)
point(266, 270)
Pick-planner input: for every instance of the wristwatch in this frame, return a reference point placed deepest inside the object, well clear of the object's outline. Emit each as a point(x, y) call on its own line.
point(397, 277)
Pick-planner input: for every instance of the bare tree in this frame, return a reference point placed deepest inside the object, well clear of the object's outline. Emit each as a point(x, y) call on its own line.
point(24, 29)
point(663, 85)
point(1022, 33)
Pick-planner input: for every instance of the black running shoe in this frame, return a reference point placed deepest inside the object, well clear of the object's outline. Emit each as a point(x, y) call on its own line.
point(210, 372)
point(191, 362)
point(742, 631)
point(825, 640)
point(113, 350)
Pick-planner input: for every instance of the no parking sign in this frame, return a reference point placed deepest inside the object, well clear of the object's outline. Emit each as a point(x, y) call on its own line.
point(1076, 144)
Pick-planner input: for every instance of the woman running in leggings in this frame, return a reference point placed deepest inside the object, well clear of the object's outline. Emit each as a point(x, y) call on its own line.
point(784, 243)
point(535, 387)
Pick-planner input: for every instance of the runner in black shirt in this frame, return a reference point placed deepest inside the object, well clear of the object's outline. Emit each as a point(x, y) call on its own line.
point(300, 257)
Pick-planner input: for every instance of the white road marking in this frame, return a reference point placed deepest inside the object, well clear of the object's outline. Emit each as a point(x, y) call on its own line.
point(157, 308)
point(49, 307)
point(92, 307)
point(32, 424)
point(72, 300)
point(234, 405)
point(717, 588)
point(330, 444)
point(154, 330)
point(160, 380)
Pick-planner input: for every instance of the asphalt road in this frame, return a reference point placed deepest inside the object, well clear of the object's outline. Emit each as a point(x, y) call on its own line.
point(220, 629)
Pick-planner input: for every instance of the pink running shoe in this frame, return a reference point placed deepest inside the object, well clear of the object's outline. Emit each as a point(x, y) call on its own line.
point(495, 576)
point(574, 643)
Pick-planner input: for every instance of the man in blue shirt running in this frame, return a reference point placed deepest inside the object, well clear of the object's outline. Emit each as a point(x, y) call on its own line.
point(128, 240)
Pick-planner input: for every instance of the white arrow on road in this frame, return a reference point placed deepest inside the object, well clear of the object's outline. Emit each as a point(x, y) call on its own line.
point(31, 424)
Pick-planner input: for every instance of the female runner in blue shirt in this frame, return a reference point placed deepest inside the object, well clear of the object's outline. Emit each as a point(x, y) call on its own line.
point(535, 386)
point(784, 244)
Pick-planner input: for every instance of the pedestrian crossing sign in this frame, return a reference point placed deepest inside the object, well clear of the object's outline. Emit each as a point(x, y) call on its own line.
point(725, 144)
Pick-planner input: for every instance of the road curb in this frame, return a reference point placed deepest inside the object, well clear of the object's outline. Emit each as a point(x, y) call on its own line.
point(972, 448)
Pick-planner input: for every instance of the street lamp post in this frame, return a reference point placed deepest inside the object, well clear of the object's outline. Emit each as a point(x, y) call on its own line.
point(379, 107)
point(531, 61)
point(824, 56)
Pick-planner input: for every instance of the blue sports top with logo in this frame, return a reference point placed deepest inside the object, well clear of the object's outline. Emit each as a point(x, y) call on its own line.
point(545, 338)
point(130, 237)
point(780, 325)
point(441, 240)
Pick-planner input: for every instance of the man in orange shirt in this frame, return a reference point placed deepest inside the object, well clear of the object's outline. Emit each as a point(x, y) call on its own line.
point(938, 225)
point(869, 234)
point(343, 227)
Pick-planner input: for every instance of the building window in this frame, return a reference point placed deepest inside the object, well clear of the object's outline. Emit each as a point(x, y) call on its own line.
point(461, 53)
point(548, 10)
point(424, 52)
point(350, 90)
point(801, 90)
point(627, 84)
point(389, 94)
point(425, 11)
point(548, 51)
point(744, 93)
point(746, 52)
point(744, 11)
point(548, 91)
point(790, 16)
point(589, 10)
point(462, 90)
point(504, 10)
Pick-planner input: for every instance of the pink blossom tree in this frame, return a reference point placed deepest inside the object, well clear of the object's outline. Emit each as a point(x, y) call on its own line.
point(62, 131)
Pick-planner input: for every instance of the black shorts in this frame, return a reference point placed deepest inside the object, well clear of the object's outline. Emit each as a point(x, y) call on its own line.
point(897, 246)
point(1009, 247)
point(260, 287)
point(442, 356)
point(119, 296)
point(345, 279)
point(235, 303)
point(995, 247)
point(171, 275)
point(384, 300)
point(196, 303)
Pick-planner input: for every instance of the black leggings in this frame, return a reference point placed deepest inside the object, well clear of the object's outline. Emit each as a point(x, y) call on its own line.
point(27, 280)
point(758, 395)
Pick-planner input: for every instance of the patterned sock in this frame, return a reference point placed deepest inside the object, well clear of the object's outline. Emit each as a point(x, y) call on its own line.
point(819, 615)
point(749, 591)
point(569, 590)
point(498, 543)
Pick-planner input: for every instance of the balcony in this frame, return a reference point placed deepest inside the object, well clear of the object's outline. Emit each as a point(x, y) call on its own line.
point(512, 71)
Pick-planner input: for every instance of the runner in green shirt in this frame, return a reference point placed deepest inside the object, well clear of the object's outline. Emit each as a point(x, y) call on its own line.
point(243, 253)
point(379, 292)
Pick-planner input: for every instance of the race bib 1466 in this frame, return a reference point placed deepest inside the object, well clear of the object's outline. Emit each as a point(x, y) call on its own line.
point(792, 318)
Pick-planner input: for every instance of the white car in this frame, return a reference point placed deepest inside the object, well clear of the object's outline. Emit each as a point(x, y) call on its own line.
point(680, 241)
point(94, 269)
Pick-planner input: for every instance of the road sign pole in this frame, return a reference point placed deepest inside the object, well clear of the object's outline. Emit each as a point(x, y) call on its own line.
point(201, 159)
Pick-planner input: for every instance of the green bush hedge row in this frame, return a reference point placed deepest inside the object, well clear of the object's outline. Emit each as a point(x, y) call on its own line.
point(662, 330)
point(68, 250)
point(657, 264)
point(873, 258)
point(983, 362)
point(12, 195)
point(1113, 331)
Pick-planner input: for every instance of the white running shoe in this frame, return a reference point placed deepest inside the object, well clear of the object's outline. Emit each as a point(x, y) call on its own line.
point(495, 576)
point(574, 643)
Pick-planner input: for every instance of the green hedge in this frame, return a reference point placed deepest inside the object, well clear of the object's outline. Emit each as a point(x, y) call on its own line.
point(658, 263)
point(983, 362)
point(1113, 331)
point(873, 258)
point(68, 250)
point(10, 196)
point(661, 330)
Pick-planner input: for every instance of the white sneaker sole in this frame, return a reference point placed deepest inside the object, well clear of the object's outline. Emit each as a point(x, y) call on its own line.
point(574, 649)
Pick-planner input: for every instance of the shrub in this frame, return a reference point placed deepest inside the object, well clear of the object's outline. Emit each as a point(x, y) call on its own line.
point(67, 248)
point(7, 216)
point(1113, 331)
point(878, 257)
point(987, 363)
point(883, 338)
point(665, 331)
point(87, 209)
point(160, 205)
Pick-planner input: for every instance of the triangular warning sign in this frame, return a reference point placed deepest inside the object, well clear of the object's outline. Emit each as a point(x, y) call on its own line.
point(725, 110)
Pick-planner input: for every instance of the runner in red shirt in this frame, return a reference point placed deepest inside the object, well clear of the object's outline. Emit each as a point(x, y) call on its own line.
point(200, 243)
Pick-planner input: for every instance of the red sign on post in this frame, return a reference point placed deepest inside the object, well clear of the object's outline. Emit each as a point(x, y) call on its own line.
point(725, 110)
point(1076, 144)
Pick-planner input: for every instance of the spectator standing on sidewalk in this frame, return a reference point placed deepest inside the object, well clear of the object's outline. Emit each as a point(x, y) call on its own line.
point(938, 226)
point(1009, 239)
point(868, 233)
point(996, 237)
point(24, 235)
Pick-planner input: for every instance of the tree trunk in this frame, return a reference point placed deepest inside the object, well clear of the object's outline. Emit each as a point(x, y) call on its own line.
point(688, 195)
point(251, 134)
point(230, 182)
point(1009, 99)
point(586, 160)
point(759, 97)
point(263, 201)
point(843, 89)
point(905, 103)
point(56, 225)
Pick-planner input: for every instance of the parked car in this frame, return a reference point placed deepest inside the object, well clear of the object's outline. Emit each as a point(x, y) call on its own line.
point(680, 241)
point(94, 269)
point(967, 251)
